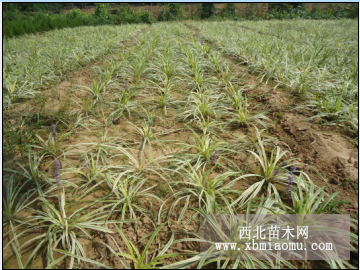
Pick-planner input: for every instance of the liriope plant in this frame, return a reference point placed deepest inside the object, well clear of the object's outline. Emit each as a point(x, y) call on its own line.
point(103, 149)
point(272, 171)
point(314, 201)
point(124, 103)
point(138, 164)
point(242, 117)
point(224, 228)
point(61, 229)
point(199, 185)
point(16, 202)
point(234, 97)
point(208, 150)
point(96, 89)
point(146, 137)
point(91, 173)
point(201, 105)
point(32, 172)
point(140, 259)
point(126, 193)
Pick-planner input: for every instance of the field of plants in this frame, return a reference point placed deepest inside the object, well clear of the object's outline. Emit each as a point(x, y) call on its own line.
point(116, 139)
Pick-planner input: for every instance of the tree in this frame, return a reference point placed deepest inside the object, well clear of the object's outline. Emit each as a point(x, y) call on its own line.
point(285, 7)
point(207, 10)
point(102, 10)
point(230, 9)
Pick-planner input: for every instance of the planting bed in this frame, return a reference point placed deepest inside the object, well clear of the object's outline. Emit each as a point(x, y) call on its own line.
point(116, 144)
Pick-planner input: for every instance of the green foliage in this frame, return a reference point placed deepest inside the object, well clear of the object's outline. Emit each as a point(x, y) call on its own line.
point(39, 22)
point(121, 173)
point(207, 10)
point(145, 17)
point(16, 24)
point(102, 10)
point(17, 138)
point(9, 7)
point(76, 13)
point(172, 12)
point(10, 15)
point(230, 8)
point(57, 7)
point(33, 7)
point(336, 10)
point(285, 7)
point(126, 15)
point(229, 11)
point(35, 17)
point(297, 10)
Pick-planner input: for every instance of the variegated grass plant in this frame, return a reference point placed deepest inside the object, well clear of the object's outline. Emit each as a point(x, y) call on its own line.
point(91, 172)
point(225, 230)
point(200, 105)
point(164, 98)
point(32, 172)
point(146, 136)
point(50, 147)
point(242, 116)
point(104, 149)
point(124, 103)
point(208, 150)
point(16, 201)
point(314, 201)
point(138, 164)
point(62, 230)
point(139, 259)
point(198, 184)
point(271, 172)
point(126, 194)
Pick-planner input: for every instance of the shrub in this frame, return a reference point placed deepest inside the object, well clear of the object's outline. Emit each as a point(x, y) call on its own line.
point(146, 17)
point(127, 15)
point(10, 15)
point(75, 13)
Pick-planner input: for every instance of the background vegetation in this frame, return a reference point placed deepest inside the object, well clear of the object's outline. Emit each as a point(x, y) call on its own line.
point(25, 18)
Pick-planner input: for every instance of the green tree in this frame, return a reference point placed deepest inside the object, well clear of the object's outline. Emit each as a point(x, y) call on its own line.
point(102, 10)
point(171, 12)
point(229, 10)
point(285, 7)
point(174, 9)
point(207, 10)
